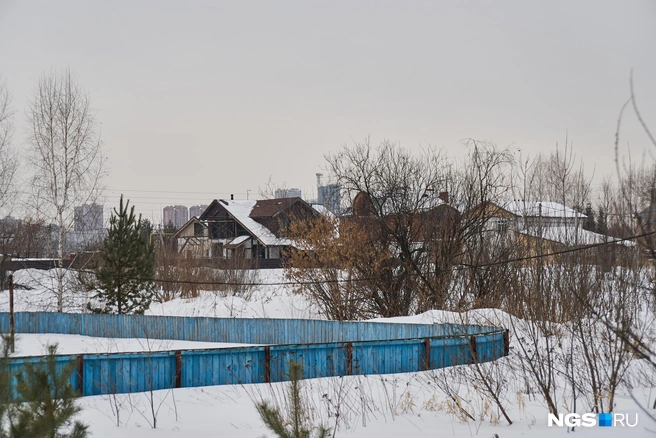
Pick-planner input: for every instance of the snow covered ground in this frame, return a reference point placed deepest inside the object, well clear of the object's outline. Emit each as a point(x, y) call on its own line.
point(263, 301)
point(395, 406)
point(29, 344)
point(408, 405)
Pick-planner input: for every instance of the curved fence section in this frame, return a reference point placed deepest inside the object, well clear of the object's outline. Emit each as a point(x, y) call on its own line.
point(324, 348)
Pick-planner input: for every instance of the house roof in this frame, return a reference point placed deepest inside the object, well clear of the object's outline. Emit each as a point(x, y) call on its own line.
point(538, 208)
point(323, 211)
point(416, 200)
point(240, 210)
point(571, 236)
point(237, 241)
point(193, 220)
point(648, 214)
point(271, 207)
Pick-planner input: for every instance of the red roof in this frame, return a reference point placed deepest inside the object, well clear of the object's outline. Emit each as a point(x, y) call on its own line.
point(271, 207)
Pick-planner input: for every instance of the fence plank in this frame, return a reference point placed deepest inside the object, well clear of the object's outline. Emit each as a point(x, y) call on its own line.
point(324, 348)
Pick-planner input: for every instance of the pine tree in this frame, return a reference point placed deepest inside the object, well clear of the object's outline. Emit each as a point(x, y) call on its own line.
point(602, 221)
point(7, 408)
point(49, 403)
point(298, 427)
point(589, 223)
point(125, 278)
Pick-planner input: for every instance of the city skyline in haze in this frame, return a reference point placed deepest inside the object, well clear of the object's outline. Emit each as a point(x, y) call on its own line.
point(199, 101)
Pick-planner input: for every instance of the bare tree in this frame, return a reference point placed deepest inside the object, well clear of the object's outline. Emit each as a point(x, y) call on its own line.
point(395, 253)
point(65, 154)
point(483, 176)
point(396, 194)
point(8, 162)
point(342, 269)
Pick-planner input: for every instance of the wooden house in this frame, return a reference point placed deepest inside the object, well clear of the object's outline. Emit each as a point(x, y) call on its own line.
point(542, 227)
point(506, 216)
point(252, 230)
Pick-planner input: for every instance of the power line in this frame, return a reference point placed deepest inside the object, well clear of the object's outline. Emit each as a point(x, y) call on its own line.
point(462, 267)
point(565, 251)
point(169, 191)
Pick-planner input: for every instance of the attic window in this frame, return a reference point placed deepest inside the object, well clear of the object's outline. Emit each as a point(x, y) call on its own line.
point(502, 226)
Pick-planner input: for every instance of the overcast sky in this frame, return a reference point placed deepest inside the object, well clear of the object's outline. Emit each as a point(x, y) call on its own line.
point(212, 98)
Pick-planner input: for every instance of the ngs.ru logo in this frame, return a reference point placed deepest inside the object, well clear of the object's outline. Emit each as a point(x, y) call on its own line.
point(592, 420)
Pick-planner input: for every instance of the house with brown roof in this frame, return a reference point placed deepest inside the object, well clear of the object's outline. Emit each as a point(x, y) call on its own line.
point(542, 227)
point(248, 229)
point(421, 220)
point(503, 216)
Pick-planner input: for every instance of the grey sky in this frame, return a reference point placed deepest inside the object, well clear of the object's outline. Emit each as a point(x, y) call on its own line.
point(216, 97)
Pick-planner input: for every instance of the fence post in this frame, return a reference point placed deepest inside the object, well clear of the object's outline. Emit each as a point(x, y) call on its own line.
point(267, 364)
point(472, 349)
point(427, 344)
point(506, 342)
point(80, 375)
point(178, 369)
point(349, 358)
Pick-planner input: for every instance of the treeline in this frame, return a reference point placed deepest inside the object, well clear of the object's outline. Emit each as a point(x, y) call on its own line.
point(425, 231)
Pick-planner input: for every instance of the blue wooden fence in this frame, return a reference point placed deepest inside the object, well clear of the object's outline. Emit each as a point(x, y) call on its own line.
point(325, 348)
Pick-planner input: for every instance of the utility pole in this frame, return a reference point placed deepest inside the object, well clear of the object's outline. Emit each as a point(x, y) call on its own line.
point(12, 329)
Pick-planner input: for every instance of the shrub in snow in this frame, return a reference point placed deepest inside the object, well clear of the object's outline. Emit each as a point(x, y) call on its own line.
point(296, 425)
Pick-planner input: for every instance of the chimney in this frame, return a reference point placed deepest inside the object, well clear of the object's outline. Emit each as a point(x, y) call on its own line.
point(444, 196)
point(232, 197)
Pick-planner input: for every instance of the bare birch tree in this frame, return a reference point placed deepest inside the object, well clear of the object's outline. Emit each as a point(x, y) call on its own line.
point(8, 162)
point(65, 155)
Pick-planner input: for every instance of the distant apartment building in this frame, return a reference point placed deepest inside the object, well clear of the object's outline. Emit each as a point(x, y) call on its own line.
point(196, 210)
point(178, 215)
point(88, 217)
point(288, 193)
point(329, 196)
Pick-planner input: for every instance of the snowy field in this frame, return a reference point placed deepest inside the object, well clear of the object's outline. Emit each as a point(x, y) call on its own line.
point(407, 405)
point(29, 344)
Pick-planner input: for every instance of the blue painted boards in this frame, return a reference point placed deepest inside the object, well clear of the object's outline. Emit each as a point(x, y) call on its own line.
point(325, 348)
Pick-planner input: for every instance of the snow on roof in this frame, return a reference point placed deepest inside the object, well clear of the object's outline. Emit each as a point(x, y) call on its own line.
point(537, 208)
point(238, 240)
point(241, 211)
point(571, 236)
point(322, 210)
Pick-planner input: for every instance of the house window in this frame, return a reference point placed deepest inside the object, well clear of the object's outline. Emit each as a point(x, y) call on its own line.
point(198, 229)
point(274, 252)
point(241, 231)
point(217, 250)
point(502, 226)
point(221, 230)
